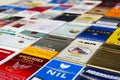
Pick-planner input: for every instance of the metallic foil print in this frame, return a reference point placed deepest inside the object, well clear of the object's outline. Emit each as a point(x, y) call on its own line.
point(107, 56)
point(70, 30)
point(98, 10)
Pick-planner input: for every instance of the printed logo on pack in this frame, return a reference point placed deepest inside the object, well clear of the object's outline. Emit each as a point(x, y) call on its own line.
point(79, 50)
point(17, 67)
point(61, 71)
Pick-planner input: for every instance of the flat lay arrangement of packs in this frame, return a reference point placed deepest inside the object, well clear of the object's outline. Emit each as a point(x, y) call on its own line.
point(60, 40)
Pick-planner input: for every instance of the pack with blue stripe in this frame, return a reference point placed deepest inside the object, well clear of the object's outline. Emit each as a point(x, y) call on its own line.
point(90, 73)
point(58, 1)
point(12, 7)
